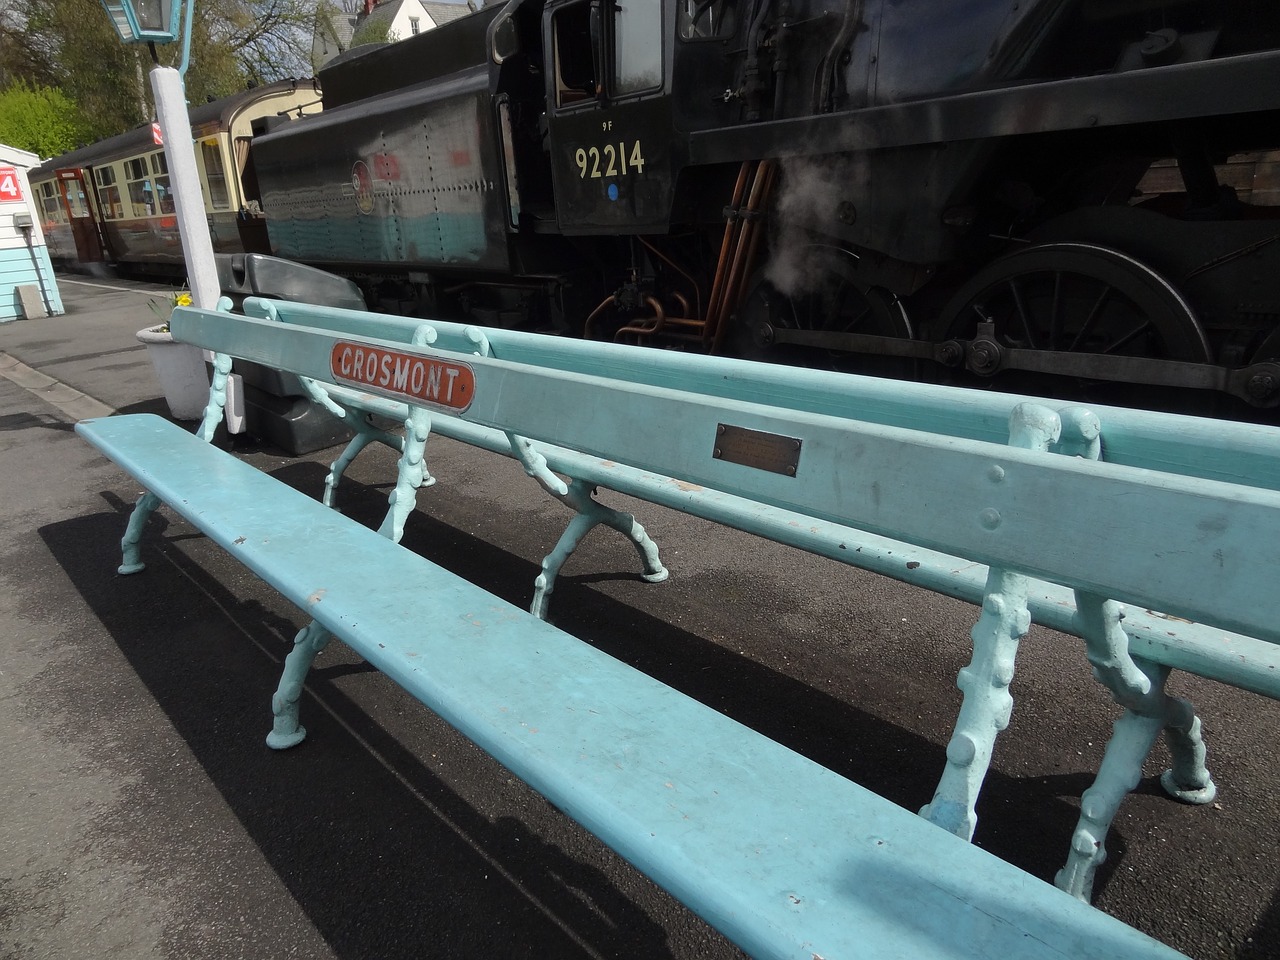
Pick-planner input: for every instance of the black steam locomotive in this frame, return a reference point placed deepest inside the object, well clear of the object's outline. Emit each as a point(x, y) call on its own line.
point(954, 188)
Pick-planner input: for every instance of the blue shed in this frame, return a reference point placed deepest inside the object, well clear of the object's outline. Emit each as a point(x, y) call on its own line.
point(28, 288)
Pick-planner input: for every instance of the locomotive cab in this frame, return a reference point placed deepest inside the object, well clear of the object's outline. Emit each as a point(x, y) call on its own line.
point(613, 148)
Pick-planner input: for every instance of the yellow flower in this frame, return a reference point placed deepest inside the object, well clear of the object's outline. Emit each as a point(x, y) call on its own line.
point(182, 299)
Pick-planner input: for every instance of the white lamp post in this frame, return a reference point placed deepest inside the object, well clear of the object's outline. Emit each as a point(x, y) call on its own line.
point(157, 21)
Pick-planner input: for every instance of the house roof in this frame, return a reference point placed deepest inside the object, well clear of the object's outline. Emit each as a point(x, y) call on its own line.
point(342, 26)
point(442, 13)
point(383, 13)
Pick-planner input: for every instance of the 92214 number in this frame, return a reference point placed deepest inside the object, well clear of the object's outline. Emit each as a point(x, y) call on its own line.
point(611, 160)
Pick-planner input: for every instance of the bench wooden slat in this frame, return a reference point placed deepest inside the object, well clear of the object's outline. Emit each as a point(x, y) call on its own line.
point(786, 858)
point(1231, 658)
point(1194, 548)
point(1212, 449)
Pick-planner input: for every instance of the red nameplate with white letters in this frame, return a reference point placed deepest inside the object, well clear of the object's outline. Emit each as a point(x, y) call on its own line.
point(416, 379)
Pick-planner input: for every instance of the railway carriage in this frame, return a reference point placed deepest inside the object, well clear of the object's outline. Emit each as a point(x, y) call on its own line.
point(112, 202)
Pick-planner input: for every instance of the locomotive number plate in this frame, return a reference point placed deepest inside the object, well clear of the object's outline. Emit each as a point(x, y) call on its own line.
point(404, 376)
point(609, 160)
point(754, 448)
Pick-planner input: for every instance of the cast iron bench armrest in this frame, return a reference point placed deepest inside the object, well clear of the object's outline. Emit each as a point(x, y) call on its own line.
point(784, 857)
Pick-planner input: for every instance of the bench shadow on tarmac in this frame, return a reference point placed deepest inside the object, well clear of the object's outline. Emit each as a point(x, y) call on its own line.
point(187, 644)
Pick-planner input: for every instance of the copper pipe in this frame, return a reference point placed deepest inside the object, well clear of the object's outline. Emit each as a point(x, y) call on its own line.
point(730, 233)
point(659, 319)
point(729, 280)
point(672, 264)
point(586, 327)
point(738, 271)
point(681, 299)
point(734, 297)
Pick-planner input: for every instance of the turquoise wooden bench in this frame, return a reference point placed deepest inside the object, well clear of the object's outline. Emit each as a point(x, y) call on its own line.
point(1133, 660)
point(784, 857)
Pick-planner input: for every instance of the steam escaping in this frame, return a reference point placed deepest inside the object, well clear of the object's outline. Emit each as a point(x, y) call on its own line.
point(805, 212)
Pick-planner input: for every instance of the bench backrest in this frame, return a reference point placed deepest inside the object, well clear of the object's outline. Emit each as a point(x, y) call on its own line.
point(1195, 548)
point(1234, 452)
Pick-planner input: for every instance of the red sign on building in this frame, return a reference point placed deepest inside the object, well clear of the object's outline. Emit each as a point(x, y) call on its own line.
point(10, 185)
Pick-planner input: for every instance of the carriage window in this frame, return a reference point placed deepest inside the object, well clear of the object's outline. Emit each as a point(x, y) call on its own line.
point(108, 193)
point(575, 65)
point(51, 204)
point(164, 197)
point(702, 19)
point(77, 203)
point(215, 174)
point(141, 197)
point(637, 43)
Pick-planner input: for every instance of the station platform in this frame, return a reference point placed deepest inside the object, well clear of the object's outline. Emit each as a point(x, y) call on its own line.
point(142, 815)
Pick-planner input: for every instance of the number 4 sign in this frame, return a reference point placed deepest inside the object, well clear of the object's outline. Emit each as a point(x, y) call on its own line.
point(10, 186)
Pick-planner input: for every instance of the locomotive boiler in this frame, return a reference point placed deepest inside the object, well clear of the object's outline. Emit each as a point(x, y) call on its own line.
point(1073, 194)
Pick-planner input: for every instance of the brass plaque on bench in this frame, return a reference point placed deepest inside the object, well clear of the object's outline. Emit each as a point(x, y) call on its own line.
point(756, 449)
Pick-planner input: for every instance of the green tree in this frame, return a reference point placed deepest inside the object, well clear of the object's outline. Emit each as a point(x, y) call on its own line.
point(372, 31)
point(40, 119)
point(70, 45)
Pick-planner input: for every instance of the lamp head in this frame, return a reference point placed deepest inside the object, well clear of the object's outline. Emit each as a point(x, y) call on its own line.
point(145, 21)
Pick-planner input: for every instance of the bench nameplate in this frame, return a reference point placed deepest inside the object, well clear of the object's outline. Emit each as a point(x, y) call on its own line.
point(413, 378)
point(754, 448)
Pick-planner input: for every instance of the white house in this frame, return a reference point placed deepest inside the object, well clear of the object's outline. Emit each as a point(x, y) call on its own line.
point(27, 285)
point(402, 18)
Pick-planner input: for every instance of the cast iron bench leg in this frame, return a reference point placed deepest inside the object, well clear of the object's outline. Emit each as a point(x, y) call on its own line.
point(285, 730)
point(987, 705)
point(411, 474)
point(365, 433)
point(589, 514)
point(577, 496)
point(1135, 733)
point(131, 562)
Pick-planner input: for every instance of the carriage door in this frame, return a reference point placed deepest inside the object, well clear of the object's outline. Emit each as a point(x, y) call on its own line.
point(84, 228)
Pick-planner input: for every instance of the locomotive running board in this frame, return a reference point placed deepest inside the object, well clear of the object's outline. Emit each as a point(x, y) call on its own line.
point(1257, 384)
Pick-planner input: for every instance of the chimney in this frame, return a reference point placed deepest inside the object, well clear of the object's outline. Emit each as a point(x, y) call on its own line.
point(369, 5)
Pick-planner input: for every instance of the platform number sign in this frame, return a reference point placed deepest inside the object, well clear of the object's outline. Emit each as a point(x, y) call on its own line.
point(10, 186)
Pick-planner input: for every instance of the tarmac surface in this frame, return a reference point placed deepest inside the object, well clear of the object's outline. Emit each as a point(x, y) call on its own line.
point(142, 816)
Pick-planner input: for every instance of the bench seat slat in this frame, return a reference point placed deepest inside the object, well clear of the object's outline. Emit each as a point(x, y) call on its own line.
point(786, 858)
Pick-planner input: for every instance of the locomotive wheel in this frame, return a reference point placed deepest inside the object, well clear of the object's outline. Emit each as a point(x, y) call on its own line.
point(840, 304)
point(1078, 298)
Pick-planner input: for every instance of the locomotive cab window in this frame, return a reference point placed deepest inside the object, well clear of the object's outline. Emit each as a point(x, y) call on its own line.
point(614, 42)
point(575, 57)
point(637, 46)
